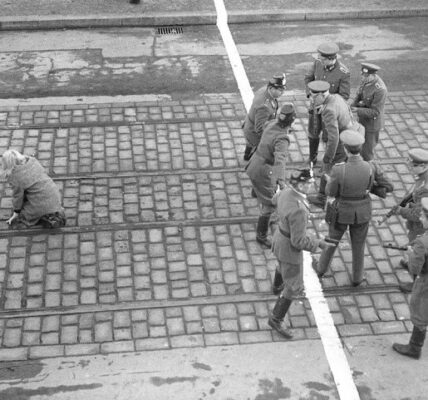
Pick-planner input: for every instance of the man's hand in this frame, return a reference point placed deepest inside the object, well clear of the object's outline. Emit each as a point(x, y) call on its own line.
point(12, 218)
point(323, 245)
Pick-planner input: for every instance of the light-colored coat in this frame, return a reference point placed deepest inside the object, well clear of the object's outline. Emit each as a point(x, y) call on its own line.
point(33, 192)
point(293, 214)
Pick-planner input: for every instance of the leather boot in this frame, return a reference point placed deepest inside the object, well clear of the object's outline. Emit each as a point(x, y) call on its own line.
point(313, 150)
point(278, 283)
point(414, 348)
point(253, 193)
point(406, 287)
point(277, 316)
point(262, 229)
point(247, 153)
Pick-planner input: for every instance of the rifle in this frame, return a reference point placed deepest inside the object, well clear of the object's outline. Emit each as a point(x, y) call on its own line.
point(403, 203)
point(394, 246)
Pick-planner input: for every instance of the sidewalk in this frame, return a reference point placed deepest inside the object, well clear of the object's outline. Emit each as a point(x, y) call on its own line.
point(56, 14)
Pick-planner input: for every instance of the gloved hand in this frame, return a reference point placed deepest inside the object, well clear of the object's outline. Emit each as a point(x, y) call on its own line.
point(12, 218)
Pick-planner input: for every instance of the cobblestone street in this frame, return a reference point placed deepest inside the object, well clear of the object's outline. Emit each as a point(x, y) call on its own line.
point(159, 250)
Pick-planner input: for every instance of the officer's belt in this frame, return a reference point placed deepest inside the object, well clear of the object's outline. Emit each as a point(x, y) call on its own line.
point(353, 198)
point(286, 234)
point(264, 159)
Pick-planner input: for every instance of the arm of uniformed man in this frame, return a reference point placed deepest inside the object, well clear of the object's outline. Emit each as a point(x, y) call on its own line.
point(332, 128)
point(376, 106)
point(262, 115)
point(280, 155)
point(416, 256)
point(345, 83)
point(309, 77)
point(413, 213)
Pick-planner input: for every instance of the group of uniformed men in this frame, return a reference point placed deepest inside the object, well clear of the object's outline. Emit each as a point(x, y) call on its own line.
point(350, 133)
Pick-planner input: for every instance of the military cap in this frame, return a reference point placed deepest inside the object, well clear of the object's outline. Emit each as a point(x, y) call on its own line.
point(318, 86)
point(351, 138)
point(369, 68)
point(287, 108)
point(328, 49)
point(424, 204)
point(418, 156)
point(278, 81)
point(303, 175)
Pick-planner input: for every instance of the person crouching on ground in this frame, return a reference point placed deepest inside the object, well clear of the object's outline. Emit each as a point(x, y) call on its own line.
point(35, 197)
point(289, 240)
point(418, 266)
point(266, 168)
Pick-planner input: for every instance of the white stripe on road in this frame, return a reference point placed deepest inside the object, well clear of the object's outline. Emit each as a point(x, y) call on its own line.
point(233, 54)
point(330, 339)
point(332, 346)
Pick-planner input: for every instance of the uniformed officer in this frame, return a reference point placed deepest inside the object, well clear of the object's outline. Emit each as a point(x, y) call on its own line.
point(349, 184)
point(418, 265)
point(263, 109)
point(369, 105)
point(326, 68)
point(336, 116)
point(418, 165)
point(266, 168)
point(289, 240)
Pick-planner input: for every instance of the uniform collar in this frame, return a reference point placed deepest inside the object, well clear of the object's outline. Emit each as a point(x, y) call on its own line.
point(331, 67)
point(302, 197)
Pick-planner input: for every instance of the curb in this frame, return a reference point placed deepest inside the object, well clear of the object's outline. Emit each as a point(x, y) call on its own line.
point(35, 22)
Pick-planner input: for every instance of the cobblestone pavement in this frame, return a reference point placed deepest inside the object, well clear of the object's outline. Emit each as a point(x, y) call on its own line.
point(159, 251)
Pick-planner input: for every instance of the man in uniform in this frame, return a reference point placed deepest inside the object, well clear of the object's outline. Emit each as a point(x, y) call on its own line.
point(336, 117)
point(418, 164)
point(418, 266)
point(263, 109)
point(266, 168)
point(369, 105)
point(349, 184)
point(289, 240)
point(326, 68)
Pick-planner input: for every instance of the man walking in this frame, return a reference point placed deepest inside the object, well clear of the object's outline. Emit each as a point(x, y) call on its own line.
point(326, 68)
point(289, 240)
point(349, 184)
point(263, 109)
point(369, 105)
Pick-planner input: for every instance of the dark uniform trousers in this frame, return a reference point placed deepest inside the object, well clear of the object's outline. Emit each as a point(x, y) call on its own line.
point(370, 103)
point(339, 79)
point(349, 185)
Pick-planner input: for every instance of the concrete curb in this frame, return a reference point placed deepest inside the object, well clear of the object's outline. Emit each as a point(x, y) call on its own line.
point(34, 22)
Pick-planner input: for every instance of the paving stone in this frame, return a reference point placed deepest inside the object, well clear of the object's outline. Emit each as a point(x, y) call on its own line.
point(117, 347)
point(36, 352)
point(220, 339)
point(82, 349)
point(388, 327)
point(15, 354)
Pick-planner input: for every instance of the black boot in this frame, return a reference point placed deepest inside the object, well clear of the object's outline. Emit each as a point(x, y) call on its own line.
point(406, 287)
point(414, 348)
point(134, 1)
point(313, 150)
point(262, 229)
point(278, 283)
point(277, 316)
point(248, 153)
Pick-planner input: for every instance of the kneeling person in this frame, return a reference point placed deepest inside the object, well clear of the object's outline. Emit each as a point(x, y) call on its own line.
point(289, 240)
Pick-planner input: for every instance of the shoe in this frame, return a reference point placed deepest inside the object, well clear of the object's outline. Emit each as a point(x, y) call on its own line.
point(406, 287)
point(317, 200)
point(275, 324)
point(253, 193)
point(414, 348)
point(134, 1)
point(404, 264)
point(362, 284)
point(276, 290)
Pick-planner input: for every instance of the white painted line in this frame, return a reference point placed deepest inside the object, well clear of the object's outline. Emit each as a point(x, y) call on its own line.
point(233, 54)
point(332, 345)
point(330, 339)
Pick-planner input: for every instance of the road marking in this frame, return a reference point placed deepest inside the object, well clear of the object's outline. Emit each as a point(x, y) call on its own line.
point(233, 54)
point(332, 346)
point(330, 339)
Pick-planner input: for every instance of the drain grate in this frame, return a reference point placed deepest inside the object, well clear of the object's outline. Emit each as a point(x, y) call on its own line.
point(170, 30)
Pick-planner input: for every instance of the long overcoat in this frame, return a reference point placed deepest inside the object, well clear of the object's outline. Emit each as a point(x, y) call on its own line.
point(266, 168)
